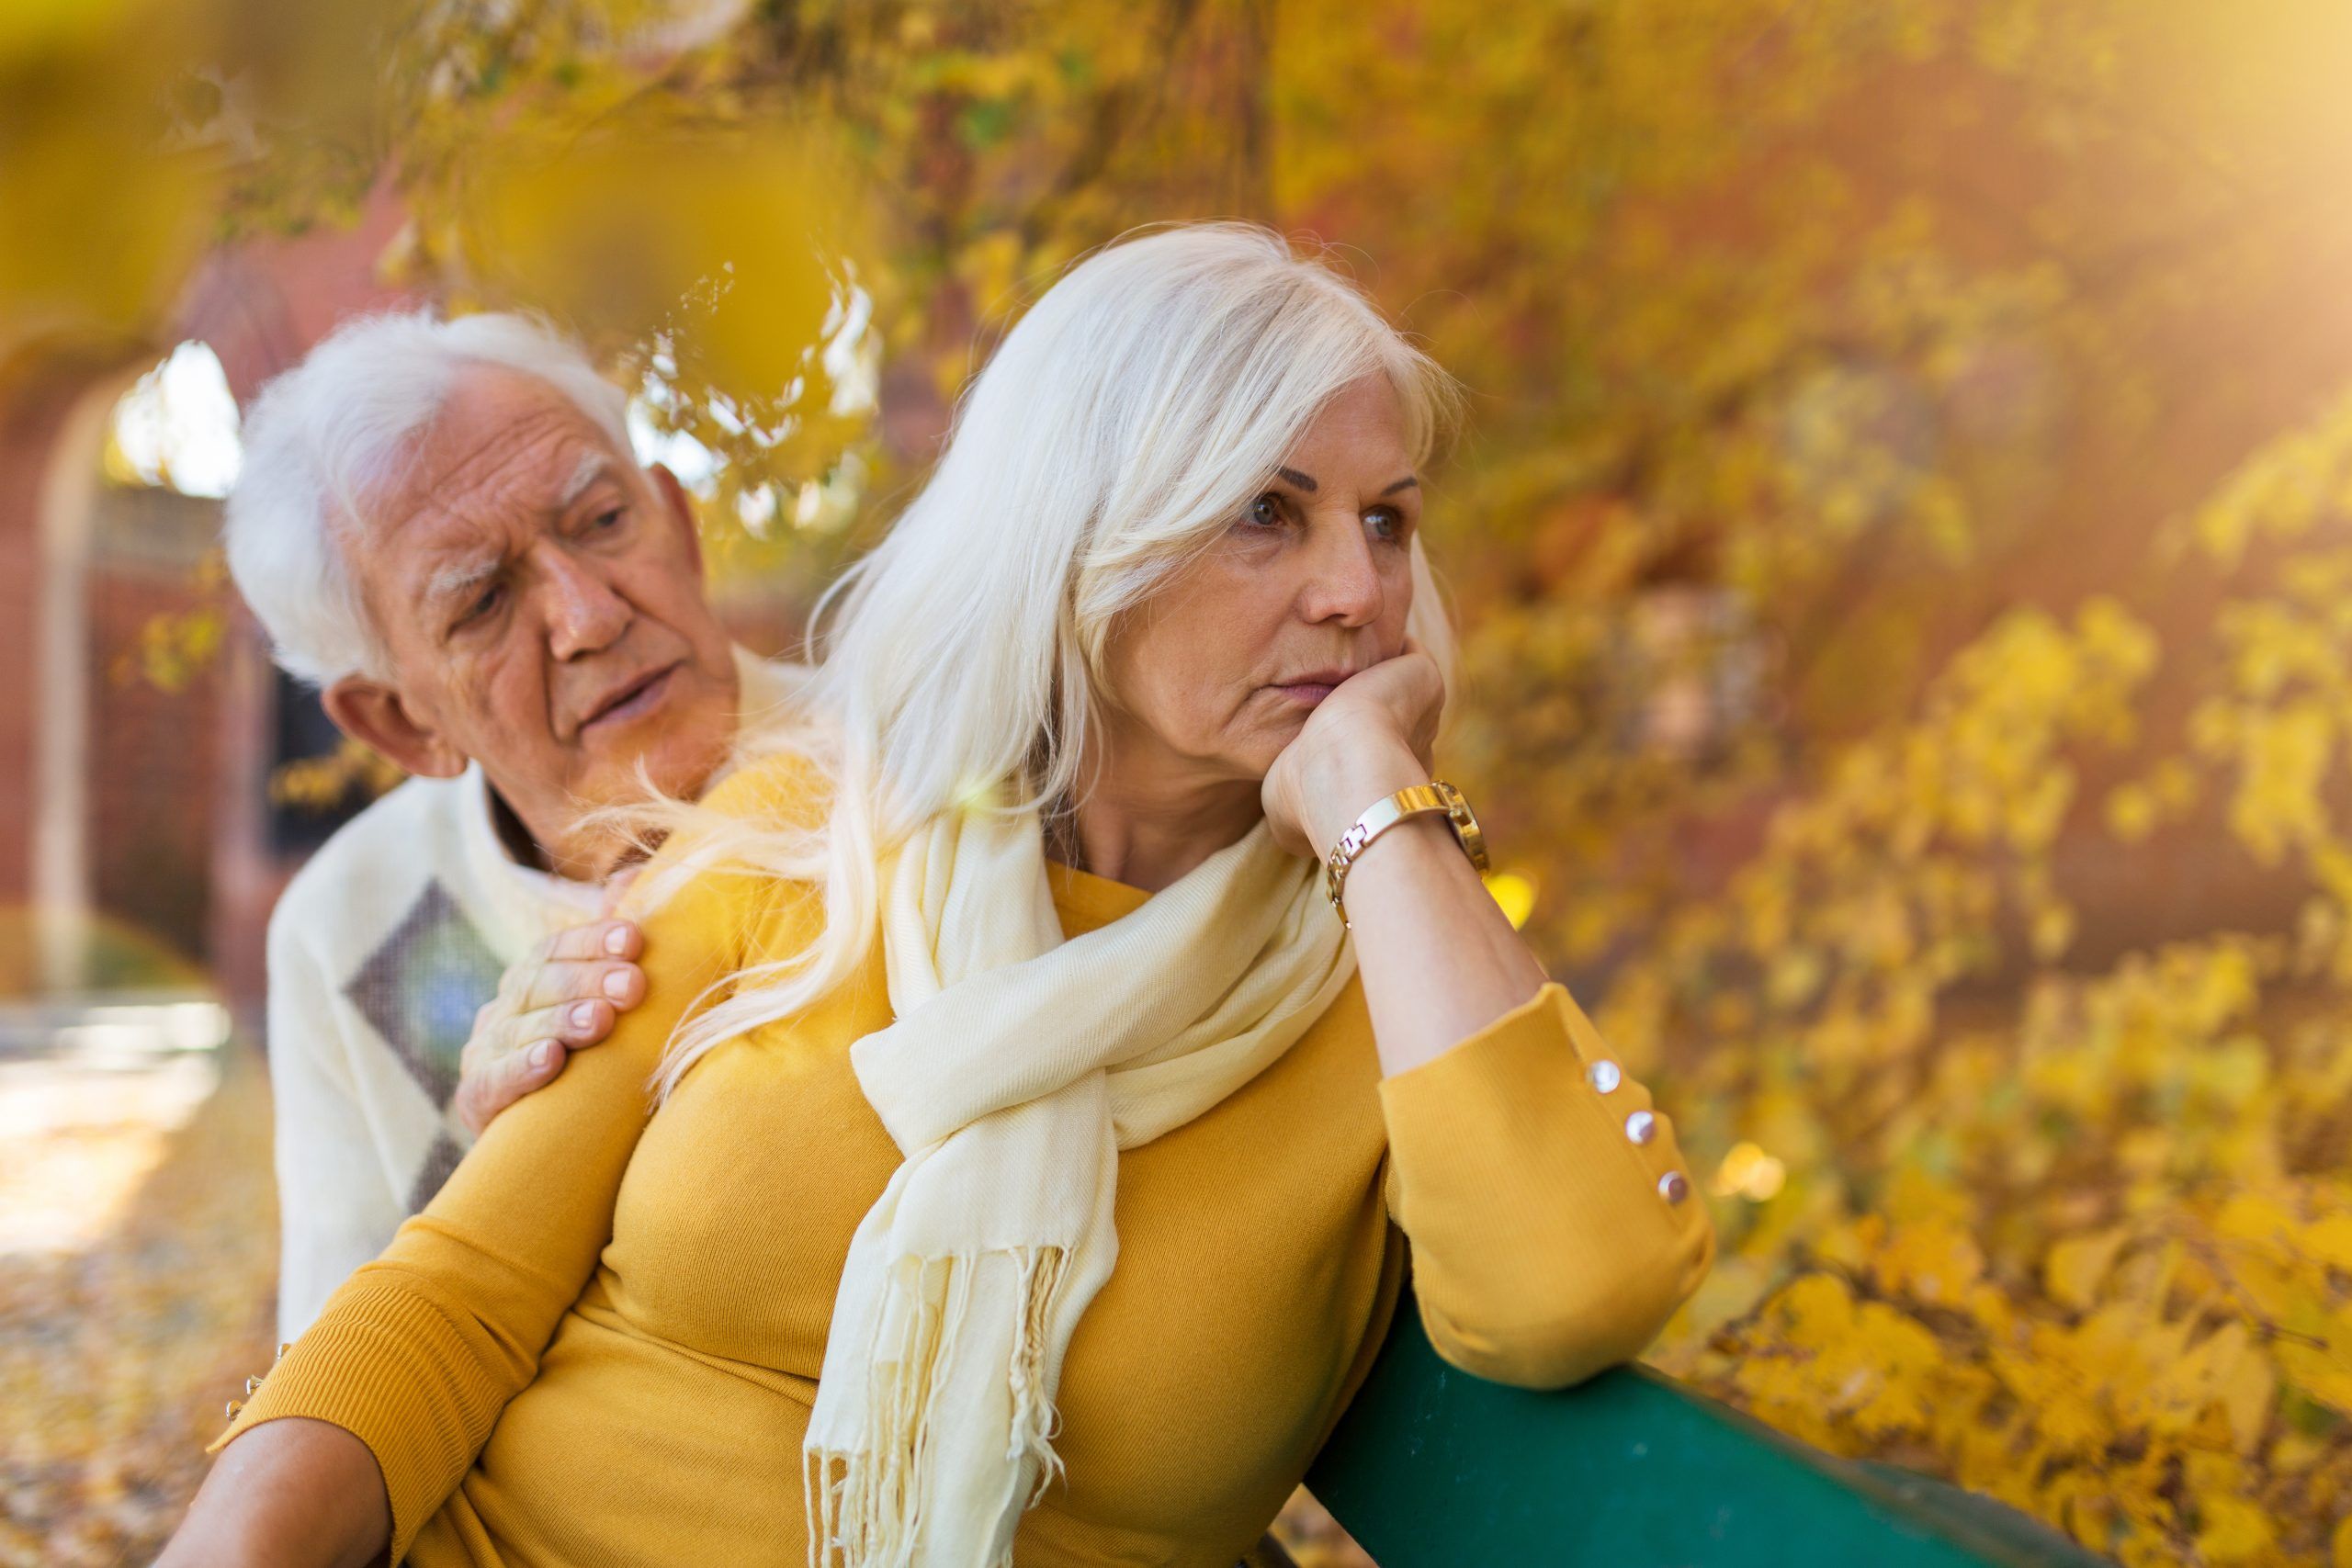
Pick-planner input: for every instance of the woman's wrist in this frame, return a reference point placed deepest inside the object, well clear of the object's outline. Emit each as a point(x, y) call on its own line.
point(1350, 785)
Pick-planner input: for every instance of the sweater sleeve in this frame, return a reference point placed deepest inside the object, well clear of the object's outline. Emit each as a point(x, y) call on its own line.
point(335, 1209)
point(1555, 1228)
point(418, 1352)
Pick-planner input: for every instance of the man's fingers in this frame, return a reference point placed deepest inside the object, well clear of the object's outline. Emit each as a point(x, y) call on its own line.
point(570, 1023)
point(597, 939)
point(492, 1087)
point(611, 980)
point(566, 994)
point(521, 1072)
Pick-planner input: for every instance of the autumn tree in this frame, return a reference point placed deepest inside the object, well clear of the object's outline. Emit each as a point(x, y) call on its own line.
point(1900, 532)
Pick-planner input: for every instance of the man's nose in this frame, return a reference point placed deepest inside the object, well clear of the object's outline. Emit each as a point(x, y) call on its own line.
point(1344, 581)
point(584, 614)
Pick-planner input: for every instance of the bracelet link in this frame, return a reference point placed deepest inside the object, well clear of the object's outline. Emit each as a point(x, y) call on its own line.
point(1414, 800)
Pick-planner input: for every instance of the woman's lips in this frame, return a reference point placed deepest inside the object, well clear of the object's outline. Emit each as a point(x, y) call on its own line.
point(637, 705)
point(1313, 686)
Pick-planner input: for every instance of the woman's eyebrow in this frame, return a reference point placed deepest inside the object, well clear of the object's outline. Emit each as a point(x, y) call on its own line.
point(1307, 482)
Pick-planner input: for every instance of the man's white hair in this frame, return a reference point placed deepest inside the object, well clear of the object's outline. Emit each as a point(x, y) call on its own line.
point(338, 429)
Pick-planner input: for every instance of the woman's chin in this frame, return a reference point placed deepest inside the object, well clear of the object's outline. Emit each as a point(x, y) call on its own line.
point(1253, 752)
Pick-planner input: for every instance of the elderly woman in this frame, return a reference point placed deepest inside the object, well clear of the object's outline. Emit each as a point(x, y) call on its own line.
point(1050, 1049)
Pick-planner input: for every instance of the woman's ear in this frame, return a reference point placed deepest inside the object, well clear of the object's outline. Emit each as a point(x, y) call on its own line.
point(375, 713)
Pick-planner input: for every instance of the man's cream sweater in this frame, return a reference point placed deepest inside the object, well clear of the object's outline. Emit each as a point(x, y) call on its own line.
point(381, 950)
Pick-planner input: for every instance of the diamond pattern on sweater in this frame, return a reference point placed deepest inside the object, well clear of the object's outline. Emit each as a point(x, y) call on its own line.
point(439, 1161)
point(422, 987)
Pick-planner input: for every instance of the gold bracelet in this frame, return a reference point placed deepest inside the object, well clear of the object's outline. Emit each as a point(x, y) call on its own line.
point(1413, 801)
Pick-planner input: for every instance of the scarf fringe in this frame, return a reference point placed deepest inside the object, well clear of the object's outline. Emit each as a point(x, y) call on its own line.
point(865, 1508)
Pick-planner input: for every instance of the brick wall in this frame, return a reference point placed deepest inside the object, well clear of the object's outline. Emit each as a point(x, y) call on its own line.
point(154, 751)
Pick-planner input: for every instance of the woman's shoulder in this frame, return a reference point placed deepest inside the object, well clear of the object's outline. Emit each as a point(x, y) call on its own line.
point(785, 787)
point(748, 835)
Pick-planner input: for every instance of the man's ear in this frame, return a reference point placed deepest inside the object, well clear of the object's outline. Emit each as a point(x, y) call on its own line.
point(681, 508)
point(371, 712)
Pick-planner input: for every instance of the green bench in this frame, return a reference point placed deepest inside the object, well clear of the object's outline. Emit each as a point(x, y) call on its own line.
point(1433, 1467)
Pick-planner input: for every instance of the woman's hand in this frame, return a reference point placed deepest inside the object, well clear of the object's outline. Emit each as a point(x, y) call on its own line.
point(1438, 959)
point(1372, 736)
point(1412, 884)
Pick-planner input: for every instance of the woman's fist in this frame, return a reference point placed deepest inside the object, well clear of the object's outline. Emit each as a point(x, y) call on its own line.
point(1372, 736)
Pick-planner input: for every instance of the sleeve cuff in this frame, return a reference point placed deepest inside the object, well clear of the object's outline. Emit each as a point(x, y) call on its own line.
point(390, 1367)
point(1553, 1217)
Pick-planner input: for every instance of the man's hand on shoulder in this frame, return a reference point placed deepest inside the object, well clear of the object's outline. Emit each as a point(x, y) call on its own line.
point(563, 995)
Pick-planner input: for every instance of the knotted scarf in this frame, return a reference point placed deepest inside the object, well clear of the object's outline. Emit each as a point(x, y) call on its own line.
point(1017, 1068)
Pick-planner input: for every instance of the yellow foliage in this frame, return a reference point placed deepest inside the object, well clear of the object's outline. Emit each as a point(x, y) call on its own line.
point(1768, 673)
point(2076, 1268)
point(114, 1363)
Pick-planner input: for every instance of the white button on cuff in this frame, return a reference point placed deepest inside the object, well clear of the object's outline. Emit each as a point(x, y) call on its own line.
point(1604, 1076)
point(1673, 1187)
point(1641, 1126)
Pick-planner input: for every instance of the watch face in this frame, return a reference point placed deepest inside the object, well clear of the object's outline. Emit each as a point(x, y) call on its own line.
point(1471, 838)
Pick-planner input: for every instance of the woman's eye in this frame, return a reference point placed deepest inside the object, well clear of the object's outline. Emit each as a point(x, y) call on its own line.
point(1386, 522)
point(1266, 511)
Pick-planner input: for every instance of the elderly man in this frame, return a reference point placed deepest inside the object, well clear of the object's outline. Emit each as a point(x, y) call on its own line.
point(440, 525)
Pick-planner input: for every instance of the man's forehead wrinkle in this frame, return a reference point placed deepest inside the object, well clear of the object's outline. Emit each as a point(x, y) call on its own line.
point(489, 463)
point(498, 450)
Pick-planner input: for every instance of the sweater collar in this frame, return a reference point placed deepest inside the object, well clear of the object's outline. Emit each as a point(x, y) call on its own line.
point(1087, 902)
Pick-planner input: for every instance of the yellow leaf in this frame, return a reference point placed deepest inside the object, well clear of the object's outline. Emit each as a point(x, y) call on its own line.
point(2234, 1530)
point(2076, 1267)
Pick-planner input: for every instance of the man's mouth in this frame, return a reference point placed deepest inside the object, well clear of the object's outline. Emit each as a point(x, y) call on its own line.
point(633, 701)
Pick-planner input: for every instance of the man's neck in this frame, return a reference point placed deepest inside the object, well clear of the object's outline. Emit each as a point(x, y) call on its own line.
point(526, 849)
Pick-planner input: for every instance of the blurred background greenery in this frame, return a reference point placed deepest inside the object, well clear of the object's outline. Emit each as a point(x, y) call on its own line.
point(1902, 533)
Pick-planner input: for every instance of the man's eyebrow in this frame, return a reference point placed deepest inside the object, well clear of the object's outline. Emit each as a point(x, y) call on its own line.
point(452, 580)
point(593, 465)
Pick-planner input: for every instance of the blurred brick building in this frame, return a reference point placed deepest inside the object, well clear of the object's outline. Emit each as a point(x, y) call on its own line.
point(131, 807)
point(138, 830)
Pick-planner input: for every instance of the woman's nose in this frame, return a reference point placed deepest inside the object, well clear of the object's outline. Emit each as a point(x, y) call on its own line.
point(1343, 580)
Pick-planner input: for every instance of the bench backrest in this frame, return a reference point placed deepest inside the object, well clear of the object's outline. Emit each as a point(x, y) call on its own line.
point(1433, 1467)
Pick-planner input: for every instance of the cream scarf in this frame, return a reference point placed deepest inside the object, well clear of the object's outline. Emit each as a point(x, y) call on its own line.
point(1019, 1066)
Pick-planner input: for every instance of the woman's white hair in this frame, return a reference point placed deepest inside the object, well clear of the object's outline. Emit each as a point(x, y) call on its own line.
point(1119, 430)
point(337, 429)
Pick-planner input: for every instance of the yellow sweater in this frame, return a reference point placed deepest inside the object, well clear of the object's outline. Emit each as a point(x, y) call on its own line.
point(600, 1343)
